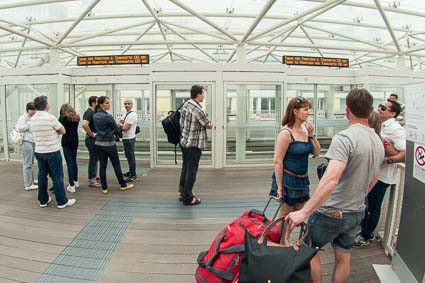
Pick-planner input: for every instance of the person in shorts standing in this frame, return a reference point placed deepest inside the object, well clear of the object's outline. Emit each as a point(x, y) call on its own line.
point(336, 209)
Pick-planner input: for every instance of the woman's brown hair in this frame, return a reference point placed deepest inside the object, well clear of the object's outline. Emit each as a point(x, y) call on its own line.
point(375, 122)
point(295, 103)
point(68, 112)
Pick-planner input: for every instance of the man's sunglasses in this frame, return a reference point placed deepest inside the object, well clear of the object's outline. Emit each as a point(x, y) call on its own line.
point(127, 103)
point(383, 107)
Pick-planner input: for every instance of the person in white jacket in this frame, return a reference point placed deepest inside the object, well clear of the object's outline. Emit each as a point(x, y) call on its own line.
point(27, 147)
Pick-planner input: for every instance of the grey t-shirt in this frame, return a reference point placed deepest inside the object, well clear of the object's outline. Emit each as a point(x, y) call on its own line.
point(363, 151)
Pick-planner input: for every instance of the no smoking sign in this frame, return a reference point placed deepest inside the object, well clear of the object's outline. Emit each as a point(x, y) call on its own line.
point(420, 156)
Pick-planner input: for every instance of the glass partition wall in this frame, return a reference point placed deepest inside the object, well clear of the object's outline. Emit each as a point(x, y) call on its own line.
point(170, 97)
point(252, 114)
point(252, 117)
point(17, 96)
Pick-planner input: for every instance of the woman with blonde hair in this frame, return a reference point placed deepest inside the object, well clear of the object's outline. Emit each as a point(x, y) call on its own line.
point(70, 120)
point(295, 142)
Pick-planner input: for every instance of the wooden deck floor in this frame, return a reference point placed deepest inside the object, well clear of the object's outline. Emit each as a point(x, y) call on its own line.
point(161, 241)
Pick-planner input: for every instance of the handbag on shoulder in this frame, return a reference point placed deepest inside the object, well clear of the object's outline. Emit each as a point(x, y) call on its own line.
point(265, 261)
point(321, 168)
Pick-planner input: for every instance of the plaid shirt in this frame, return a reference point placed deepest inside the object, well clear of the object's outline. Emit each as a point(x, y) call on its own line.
point(193, 125)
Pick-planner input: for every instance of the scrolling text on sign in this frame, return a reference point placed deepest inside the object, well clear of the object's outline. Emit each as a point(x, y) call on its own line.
point(112, 60)
point(316, 61)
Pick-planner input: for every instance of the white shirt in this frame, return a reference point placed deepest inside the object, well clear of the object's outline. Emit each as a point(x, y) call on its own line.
point(132, 120)
point(395, 134)
point(44, 127)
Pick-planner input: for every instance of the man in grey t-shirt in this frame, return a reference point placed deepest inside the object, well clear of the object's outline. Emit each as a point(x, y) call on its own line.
point(337, 206)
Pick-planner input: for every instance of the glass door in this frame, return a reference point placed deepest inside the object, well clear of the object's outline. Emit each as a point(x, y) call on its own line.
point(141, 97)
point(252, 118)
point(17, 97)
point(170, 97)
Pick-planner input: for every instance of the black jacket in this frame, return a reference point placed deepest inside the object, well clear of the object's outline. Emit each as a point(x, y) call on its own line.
point(105, 126)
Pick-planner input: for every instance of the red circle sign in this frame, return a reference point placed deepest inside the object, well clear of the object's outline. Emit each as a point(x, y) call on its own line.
point(420, 155)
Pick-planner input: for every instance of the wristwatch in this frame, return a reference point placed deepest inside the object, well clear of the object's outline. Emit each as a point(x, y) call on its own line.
point(390, 160)
point(311, 137)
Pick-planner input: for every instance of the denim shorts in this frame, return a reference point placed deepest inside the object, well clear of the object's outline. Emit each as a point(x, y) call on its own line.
point(292, 196)
point(339, 231)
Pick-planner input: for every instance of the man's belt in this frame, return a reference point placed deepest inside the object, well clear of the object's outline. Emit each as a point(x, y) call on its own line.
point(295, 175)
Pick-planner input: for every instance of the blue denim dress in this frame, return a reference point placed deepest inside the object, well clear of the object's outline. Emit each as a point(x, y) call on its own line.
point(295, 190)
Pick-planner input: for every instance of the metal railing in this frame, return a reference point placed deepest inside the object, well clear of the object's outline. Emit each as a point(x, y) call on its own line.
point(391, 212)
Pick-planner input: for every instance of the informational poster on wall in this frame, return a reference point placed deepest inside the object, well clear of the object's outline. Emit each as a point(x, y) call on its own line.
point(415, 112)
point(419, 162)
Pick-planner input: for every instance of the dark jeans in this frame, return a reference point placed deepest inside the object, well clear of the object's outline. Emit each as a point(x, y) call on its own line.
point(70, 154)
point(92, 159)
point(103, 153)
point(191, 157)
point(129, 154)
point(373, 209)
point(50, 163)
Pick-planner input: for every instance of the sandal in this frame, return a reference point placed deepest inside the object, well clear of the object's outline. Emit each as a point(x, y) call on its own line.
point(194, 201)
point(180, 197)
point(94, 185)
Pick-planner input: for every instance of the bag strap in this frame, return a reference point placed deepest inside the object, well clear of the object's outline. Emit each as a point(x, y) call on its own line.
point(287, 233)
point(290, 133)
point(175, 154)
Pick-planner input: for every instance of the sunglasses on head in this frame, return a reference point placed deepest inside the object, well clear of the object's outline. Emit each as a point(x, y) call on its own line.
point(383, 107)
point(300, 100)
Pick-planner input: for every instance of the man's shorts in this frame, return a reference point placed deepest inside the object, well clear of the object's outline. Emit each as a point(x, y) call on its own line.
point(338, 228)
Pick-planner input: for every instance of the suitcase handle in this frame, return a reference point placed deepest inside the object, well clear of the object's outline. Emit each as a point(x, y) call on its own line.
point(263, 213)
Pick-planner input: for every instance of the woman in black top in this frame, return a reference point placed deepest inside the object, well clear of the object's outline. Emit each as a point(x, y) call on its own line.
point(106, 127)
point(70, 119)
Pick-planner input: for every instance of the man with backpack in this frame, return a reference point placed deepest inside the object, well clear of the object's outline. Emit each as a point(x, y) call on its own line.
point(128, 126)
point(193, 126)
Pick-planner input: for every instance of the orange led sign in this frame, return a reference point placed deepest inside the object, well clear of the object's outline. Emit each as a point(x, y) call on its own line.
point(112, 60)
point(316, 61)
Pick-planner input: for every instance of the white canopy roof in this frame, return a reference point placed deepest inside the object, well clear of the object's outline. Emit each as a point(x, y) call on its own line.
point(387, 34)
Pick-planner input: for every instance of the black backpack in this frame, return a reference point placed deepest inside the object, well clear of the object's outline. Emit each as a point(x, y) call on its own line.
point(171, 125)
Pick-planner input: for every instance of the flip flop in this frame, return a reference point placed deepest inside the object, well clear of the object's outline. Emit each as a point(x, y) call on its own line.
point(194, 201)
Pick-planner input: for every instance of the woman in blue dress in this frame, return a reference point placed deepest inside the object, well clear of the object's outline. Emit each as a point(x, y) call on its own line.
point(295, 142)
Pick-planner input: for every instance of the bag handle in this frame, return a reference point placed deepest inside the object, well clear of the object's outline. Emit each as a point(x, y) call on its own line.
point(287, 233)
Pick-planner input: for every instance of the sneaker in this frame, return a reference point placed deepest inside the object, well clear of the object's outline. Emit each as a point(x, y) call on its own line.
point(105, 191)
point(76, 184)
point(128, 174)
point(359, 241)
point(131, 178)
point(127, 187)
point(71, 189)
point(48, 201)
point(32, 187)
point(69, 203)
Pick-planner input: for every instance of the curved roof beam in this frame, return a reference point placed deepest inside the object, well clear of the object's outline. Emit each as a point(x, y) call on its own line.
point(257, 20)
point(388, 24)
point(24, 35)
point(77, 21)
point(194, 30)
point(139, 37)
point(158, 22)
point(305, 13)
point(194, 45)
point(31, 3)
point(109, 31)
point(202, 18)
point(347, 37)
point(373, 7)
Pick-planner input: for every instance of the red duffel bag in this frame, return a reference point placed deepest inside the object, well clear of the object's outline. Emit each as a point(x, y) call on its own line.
point(221, 263)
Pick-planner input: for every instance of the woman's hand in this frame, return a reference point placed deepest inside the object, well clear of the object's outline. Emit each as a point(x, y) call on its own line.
point(279, 194)
point(309, 127)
